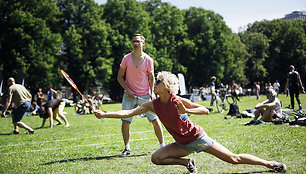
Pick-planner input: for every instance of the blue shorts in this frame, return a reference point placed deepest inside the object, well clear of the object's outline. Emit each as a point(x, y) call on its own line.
point(19, 112)
point(201, 143)
point(130, 103)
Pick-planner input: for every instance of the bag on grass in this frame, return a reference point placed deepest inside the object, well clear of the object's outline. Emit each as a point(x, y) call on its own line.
point(234, 110)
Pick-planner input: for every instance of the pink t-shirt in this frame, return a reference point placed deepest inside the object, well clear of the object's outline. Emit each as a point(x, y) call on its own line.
point(183, 131)
point(137, 77)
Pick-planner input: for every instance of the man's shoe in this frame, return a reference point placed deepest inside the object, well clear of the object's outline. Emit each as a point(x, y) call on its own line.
point(125, 153)
point(280, 167)
point(15, 132)
point(250, 123)
point(31, 132)
point(191, 166)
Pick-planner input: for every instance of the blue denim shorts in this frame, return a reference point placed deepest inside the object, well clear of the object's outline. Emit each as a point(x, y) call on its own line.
point(19, 112)
point(201, 143)
point(130, 103)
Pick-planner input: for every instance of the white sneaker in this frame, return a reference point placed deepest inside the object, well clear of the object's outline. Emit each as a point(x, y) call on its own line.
point(280, 167)
point(125, 153)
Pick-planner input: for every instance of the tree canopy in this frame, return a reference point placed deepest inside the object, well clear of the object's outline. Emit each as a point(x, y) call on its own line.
point(40, 37)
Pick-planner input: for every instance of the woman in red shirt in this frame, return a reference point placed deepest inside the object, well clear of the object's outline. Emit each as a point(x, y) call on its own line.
point(172, 111)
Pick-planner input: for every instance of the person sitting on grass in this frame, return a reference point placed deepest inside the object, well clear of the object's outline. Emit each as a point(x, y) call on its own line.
point(171, 110)
point(269, 109)
point(51, 109)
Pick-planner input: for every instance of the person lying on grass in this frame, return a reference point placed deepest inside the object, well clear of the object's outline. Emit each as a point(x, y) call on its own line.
point(171, 110)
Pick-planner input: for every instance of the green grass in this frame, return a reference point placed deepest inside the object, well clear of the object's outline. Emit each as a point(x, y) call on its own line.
point(92, 146)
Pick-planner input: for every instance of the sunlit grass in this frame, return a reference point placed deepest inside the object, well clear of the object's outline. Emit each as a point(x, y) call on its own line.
point(92, 146)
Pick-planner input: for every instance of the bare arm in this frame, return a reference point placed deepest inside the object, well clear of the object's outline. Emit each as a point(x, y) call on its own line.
point(300, 82)
point(7, 104)
point(151, 82)
point(147, 106)
point(120, 79)
point(266, 105)
point(54, 91)
point(186, 106)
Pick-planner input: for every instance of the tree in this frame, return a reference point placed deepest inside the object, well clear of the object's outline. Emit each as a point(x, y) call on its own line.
point(168, 31)
point(86, 52)
point(209, 49)
point(286, 46)
point(28, 42)
point(257, 47)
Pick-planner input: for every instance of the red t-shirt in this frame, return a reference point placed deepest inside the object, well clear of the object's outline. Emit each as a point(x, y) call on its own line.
point(184, 132)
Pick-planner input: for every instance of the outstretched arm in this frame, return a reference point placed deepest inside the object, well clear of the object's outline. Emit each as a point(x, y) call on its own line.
point(6, 106)
point(186, 106)
point(125, 113)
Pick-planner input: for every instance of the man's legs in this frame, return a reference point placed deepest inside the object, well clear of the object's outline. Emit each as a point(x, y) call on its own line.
point(298, 99)
point(267, 116)
point(126, 134)
point(158, 131)
point(291, 92)
point(22, 125)
point(18, 115)
point(258, 112)
point(127, 104)
point(213, 98)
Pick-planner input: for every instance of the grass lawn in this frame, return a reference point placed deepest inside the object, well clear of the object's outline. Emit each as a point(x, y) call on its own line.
point(92, 146)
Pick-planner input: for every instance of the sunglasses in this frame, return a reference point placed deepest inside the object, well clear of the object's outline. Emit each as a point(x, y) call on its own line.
point(157, 82)
point(136, 41)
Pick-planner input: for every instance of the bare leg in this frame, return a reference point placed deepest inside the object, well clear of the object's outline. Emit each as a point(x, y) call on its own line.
point(158, 131)
point(224, 154)
point(258, 112)
point(267, 116)
point(126, 132)
point(43, 123)
point(170, 155)
point(16, 128)
point(22, 125)
point(63, 117)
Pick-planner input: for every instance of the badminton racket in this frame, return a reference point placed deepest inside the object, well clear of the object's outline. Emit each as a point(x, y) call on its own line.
point(74, 86)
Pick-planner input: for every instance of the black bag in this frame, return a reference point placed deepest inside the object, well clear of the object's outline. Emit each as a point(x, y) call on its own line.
point(234, 110)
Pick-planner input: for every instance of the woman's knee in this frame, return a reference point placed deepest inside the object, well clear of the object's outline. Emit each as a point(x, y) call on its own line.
point(156, 159)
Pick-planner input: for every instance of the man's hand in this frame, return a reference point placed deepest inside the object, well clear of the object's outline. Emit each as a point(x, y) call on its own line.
point(181, 109)
point(130, 94)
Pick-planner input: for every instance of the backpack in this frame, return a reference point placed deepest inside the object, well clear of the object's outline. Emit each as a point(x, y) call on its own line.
point(234, 110)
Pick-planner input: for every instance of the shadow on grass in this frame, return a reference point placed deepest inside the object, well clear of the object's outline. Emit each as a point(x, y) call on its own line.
point(90, 158)
point(266, 171)
point(7, 133)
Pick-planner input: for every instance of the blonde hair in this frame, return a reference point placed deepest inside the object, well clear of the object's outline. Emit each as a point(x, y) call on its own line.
point(170, 80)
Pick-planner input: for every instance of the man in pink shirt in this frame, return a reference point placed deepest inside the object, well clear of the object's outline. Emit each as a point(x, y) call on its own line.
point(138, 69)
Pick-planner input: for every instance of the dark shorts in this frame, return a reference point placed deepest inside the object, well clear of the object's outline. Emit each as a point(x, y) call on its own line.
point(19, 112)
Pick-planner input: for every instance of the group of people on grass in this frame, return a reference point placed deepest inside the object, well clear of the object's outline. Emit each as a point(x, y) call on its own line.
point(157, 99)
point(82, 107)
point(21, 98)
